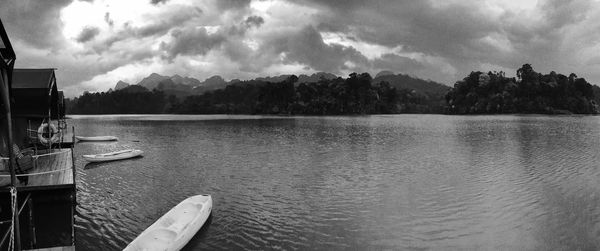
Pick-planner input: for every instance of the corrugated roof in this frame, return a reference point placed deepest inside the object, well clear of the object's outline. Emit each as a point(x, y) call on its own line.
point(32, 78)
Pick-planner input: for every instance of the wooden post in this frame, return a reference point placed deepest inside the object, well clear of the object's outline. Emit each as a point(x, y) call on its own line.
point(73, 159)
point(31, 224)
point(4, 89)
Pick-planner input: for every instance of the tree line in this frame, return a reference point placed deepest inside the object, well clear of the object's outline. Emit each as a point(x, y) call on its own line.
point(478, 93)
point(356, 94)
point(132, 100)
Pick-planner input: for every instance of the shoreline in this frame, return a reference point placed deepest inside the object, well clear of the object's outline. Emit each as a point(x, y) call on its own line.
point(330, 115)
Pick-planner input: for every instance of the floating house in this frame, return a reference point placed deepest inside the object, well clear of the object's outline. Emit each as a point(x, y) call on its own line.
point(36, 100)
point(37, 173)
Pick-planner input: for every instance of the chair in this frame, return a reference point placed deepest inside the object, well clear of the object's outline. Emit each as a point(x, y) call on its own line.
point(23, 161)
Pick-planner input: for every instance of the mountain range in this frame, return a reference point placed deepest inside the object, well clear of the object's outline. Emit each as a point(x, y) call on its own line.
point(185, 86)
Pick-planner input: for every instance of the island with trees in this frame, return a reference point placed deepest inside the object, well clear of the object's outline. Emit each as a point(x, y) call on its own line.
point(530, 92)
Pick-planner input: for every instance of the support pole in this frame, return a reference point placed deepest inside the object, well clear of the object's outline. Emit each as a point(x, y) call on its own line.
point(33, 240)
point(9, 136)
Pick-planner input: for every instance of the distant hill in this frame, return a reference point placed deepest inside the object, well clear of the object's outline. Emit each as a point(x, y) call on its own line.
point(178, 85)
point(169, 84)
point(134, 89)
point(384, 73)
point(210, 84)
point(315, 77)
point(174, 85)
point(152, 81)
point(182, 87)
point(318, 94)
point(120, 85)
point(274, 79)
point(185, 80)
point(169, 87)
point(401, 81)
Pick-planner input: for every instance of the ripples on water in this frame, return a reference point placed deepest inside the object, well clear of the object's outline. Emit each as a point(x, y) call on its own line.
point(408, 182)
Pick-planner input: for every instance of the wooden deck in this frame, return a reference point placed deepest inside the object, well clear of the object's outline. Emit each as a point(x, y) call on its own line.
point(65, 248)
point(56, 168)
point(50, 169)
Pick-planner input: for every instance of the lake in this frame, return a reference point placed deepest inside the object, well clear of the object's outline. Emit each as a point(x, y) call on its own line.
point(401, 182)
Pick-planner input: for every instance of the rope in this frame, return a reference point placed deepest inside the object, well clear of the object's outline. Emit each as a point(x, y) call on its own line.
point(41, 155)
point(13, 197)
point(48, 154)
point(39, 173)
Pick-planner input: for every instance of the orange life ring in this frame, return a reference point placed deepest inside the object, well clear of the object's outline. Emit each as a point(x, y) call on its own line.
point(53, 131)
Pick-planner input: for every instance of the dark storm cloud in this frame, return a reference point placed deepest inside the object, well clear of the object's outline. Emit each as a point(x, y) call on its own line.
point(162, 26)
point(559, 13)
point(198, 41)
point(232, 4)
point(87, 34)
point(307, 47)
point(36, 22)
point(417, 25)
point(439, 39)
point(166, 23)
point(191, 41)
point(254, 21)
point(547, 44)
point(463, 33)
point(398, 63)
point(158, 1)
point(451, 32)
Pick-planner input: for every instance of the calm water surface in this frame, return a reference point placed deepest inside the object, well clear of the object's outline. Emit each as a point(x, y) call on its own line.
point(407, 182)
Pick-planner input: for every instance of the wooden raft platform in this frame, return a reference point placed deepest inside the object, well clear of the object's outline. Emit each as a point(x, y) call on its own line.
point(53, 168)
point(59, 160)
point(65, 248)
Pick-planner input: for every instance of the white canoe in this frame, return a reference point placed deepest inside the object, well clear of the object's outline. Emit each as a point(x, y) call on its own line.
point(97, 138)
point(125, 154)
point(174, 229)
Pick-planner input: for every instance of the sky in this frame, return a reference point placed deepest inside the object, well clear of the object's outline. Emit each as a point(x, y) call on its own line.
point(95, 43)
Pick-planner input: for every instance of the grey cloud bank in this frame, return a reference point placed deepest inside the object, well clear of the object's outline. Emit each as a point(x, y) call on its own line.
point(439, 40)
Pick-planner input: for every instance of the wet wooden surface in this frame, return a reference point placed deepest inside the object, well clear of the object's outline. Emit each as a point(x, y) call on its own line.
point(53, 169)
point(65, 248)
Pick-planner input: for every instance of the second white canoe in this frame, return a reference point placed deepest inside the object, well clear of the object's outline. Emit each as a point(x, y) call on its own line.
point(118, 155)
point(96, 138)
point(174, 229)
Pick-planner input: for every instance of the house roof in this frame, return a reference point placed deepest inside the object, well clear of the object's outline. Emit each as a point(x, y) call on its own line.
point(33, 78)
point(35, 93)
point(7, 54)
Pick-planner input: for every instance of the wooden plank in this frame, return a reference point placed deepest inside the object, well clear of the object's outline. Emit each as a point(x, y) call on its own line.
point(61, 163)
point(65, 248)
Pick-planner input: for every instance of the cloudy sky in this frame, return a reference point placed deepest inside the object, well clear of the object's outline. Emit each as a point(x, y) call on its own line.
point(95, 43)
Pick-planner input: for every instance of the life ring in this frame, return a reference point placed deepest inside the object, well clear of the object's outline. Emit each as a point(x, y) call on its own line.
point(53, 131)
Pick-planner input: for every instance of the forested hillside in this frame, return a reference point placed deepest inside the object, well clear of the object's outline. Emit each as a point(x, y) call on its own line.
point(530, 92)
point(357, 94)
